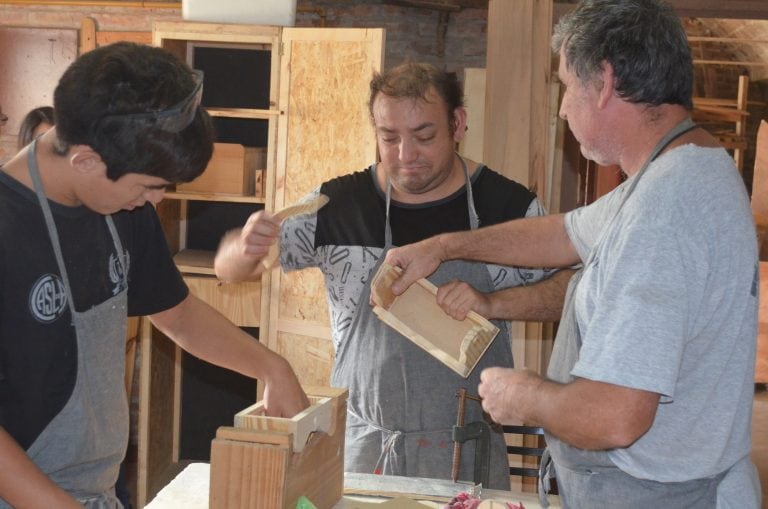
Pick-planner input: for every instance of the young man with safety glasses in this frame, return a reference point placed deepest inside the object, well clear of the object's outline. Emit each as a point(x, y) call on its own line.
point(84, 250)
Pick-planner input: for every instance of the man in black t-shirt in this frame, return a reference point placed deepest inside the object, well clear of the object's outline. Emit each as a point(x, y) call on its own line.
point(83, 250)
point(402, 401)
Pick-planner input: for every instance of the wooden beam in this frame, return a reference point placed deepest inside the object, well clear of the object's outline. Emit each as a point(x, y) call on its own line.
point(98, 3)
point(734, 9)
point(517, 109)
point(441, 5)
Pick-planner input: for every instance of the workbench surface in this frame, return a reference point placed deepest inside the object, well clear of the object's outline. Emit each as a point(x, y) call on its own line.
point(189, 490)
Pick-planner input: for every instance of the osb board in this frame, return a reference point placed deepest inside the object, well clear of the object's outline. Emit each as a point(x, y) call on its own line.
point(311, 357)
point(302, 296)
point(329, 81)
point(325, 75)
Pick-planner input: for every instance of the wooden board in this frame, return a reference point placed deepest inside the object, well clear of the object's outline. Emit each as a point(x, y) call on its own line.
point(761, 363)
point(760, 185)
point(474, 91)
point(416, 315)
point(240, 303)
point(231, 171)
point(158, 413)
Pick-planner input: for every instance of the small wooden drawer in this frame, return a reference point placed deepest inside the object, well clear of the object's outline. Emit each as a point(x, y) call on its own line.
point(239, 302)
point(231, 171)
point(416, 315)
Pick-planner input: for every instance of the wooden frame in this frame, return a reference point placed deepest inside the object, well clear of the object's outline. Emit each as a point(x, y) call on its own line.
point(416, 315)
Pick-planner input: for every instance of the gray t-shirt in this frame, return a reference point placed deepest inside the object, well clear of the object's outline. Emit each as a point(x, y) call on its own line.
point(668, 304)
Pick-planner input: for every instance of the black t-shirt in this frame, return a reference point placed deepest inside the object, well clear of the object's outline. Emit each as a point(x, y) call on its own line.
point(360, 219)
point(38, 349)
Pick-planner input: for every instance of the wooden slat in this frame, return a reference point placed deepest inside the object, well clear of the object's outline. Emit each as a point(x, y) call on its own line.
point(87, 35)
point(474, 91)
point(104, 38)
point(760, 185)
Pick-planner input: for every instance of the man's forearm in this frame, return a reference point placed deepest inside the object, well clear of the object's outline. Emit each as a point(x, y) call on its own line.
point(584, 413)
point(22, 484)
point(539, 302)
point(595, 415)
point(530, 242)
point(231, 264)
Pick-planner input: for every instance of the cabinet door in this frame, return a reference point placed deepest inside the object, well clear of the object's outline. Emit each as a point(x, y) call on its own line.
point(324, 131)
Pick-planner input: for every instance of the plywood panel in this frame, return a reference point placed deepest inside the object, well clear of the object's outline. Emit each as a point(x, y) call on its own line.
point(311, 357)
point(324, 131)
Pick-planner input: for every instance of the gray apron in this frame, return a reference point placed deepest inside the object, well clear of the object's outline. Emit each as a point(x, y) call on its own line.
point(402, 401)
point(82, 447)
point(589, 479)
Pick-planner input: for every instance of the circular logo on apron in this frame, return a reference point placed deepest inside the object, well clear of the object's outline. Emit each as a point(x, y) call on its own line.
point(48, 298)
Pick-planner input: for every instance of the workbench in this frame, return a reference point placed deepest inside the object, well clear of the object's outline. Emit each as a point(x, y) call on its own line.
point(189, 490)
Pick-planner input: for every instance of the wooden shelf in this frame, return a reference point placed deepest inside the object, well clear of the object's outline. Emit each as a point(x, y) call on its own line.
point(243, 113)
point(173, 195)
point(195, 261)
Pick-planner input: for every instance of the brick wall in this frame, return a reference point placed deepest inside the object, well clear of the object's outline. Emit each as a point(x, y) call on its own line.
point(449, 40)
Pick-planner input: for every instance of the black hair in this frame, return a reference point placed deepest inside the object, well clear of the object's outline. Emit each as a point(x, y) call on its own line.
point(99, 102)
point(414, 80)
point(31, 121)
point(644, 42)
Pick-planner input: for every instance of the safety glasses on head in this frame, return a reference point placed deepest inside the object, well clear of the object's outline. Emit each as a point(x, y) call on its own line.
point(173, 119)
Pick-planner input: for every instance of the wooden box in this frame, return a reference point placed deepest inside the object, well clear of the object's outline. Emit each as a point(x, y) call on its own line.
point(231, 171)
point(269, 462)
point(416, 315)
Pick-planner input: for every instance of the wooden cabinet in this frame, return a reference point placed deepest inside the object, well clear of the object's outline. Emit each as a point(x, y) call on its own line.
point(299, 97)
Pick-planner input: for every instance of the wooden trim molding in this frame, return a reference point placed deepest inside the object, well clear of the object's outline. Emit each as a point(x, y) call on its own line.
point(96, 3)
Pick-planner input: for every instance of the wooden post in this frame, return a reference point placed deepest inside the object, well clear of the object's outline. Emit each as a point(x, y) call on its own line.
point(517, 109)
point(518, 118)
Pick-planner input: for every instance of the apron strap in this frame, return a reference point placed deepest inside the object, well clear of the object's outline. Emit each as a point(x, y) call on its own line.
point(53, 233)
point(474, 219)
